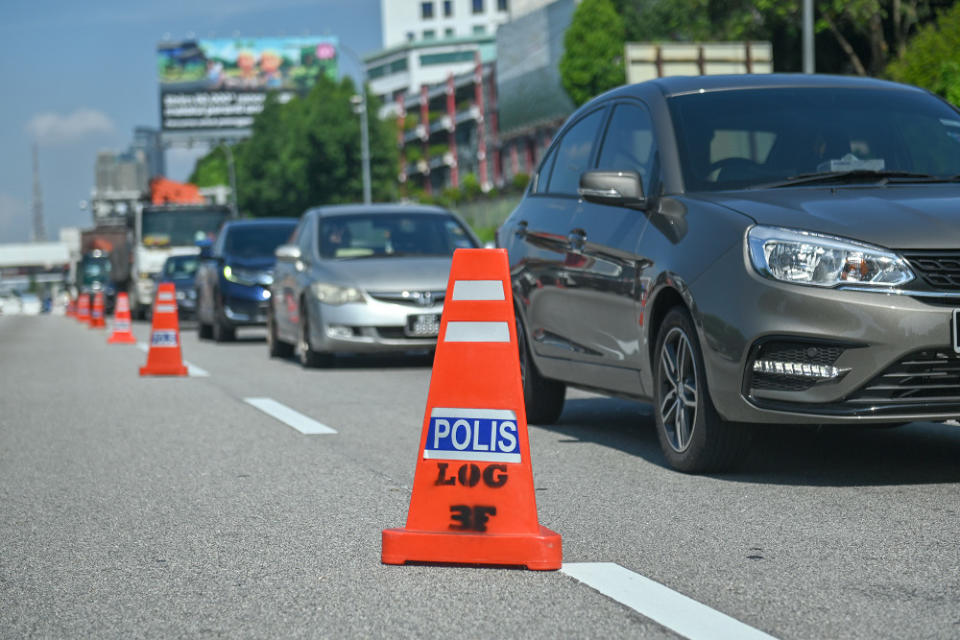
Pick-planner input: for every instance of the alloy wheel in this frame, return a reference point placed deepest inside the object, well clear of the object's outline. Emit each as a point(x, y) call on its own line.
point(678, 389)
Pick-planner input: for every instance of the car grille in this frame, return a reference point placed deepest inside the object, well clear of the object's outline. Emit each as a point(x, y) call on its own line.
point(411, 298)
point(939, 269)
point(922, 378)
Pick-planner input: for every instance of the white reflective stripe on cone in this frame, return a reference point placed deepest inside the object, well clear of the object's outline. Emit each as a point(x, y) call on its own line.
point(477, 332)
point(478, 290)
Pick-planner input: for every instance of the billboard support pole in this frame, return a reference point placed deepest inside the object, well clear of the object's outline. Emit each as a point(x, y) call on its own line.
point(360, 107)
point(232, 172)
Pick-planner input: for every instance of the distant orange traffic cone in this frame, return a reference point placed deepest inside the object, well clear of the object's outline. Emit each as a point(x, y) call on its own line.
point(83, 308)
point(97, 320)
point(164, 358)
point(473, 497)
point(122, 332)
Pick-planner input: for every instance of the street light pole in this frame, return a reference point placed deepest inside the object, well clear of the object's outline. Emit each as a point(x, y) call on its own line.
point(808, 62)
point(360, 107)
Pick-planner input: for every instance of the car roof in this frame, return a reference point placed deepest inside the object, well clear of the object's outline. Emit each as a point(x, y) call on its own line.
point(260, 222)
point(365, 209)
point(680, 85)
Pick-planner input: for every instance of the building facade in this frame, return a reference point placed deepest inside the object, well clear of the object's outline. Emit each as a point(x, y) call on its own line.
point(406, 21)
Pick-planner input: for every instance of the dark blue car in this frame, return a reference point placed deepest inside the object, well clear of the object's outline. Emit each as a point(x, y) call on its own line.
point(182, 271)
point(233, 281)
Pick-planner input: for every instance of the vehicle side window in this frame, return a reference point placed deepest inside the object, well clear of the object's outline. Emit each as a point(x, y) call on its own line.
point(574, 154)
point(628, 144)
point(305, 238)
point(219, 242)
point(543, 175)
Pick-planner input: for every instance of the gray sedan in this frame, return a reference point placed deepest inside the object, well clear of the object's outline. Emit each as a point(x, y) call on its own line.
point(745, 249)
point(363, 278)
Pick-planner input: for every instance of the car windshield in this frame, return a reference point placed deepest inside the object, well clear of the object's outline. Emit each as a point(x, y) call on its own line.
point(256, 241)
point(755, 137)
point(390, 235)
point(180, 228)
point(95, 270)
point(180, 267)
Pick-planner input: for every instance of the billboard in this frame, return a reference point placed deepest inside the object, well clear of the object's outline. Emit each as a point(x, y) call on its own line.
point(222, 83)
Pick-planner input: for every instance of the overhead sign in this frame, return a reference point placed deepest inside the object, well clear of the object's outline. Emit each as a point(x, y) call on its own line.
point(223, 83)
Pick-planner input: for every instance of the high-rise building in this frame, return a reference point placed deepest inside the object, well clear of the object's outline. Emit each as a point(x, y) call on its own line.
point(406, 21)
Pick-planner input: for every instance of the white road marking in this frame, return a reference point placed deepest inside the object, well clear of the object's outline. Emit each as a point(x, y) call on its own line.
point(673, 610)
point(289, 417)
point(477, 332)
point(192, 370)
point(478, 290)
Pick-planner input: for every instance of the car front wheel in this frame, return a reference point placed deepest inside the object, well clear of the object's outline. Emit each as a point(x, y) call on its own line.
point(308, 356)
point(542, 397)
point(276, 348)
point(693, 436)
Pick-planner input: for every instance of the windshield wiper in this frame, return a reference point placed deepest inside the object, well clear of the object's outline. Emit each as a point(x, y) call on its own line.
point(857, 175)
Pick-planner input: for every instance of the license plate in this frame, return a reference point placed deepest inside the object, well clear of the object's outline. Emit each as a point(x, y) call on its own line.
point(955, 330)
point(423, 326)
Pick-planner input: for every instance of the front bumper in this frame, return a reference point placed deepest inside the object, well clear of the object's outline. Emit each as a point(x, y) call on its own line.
point(893, 353)
point(372, 327)
point(245, 305)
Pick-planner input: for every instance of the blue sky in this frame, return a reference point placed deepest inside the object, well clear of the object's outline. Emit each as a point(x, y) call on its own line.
point(79, 76)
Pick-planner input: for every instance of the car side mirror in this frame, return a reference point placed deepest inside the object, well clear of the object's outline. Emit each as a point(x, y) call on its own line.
point(288, 253)
point(618, 188)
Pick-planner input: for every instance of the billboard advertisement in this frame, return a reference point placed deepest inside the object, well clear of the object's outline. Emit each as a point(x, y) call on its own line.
point(222, 83)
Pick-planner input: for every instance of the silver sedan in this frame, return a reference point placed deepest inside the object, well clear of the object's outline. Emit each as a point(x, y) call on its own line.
point(363, 278)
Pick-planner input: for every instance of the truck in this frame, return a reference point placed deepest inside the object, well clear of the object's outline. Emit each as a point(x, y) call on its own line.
point(104, 263)
point(164, 230)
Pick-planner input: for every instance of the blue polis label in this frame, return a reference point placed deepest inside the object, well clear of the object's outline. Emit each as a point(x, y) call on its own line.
point(163, 338)
point(483, 435)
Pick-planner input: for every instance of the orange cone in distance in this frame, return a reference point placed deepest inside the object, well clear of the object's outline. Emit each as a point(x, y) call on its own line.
point(473, 496)
point(122, 330)
point(83, 308)
point(164, 357)
point(97, 321)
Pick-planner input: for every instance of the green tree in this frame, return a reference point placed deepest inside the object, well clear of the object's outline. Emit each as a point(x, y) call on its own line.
point(306, 152)
point(211, 170)
point(932, 58)
point(592, 59)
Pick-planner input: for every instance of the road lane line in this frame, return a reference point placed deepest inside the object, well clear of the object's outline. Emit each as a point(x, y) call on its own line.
point(289, 417)
point(192, 370)
point(673, 610)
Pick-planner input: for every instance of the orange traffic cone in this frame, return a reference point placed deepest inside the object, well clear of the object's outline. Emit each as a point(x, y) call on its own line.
point(83, 308)
point(97, 320)
point(122, 333)
point(164, 358)
point(473, 497)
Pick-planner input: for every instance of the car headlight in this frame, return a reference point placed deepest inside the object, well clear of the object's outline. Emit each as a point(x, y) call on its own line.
point(804, 257)
point(334, 294)
point(247, 276)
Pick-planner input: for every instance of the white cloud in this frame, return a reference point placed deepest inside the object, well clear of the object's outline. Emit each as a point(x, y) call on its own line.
point(14, 220)
point(53, 128)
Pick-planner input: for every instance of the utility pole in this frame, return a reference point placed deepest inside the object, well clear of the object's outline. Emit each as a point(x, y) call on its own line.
point(232, 171)
point(808, 62)
point(39, 232)
point(359, 103)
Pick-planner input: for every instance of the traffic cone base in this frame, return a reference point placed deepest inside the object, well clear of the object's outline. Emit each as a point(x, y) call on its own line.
point(539, 552)
point(164, 358)
point(473, 495)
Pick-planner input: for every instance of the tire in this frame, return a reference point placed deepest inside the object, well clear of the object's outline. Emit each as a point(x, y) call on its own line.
point(204, 330)
point(221, 331)
point(542, 397)
point(275, 346)
point(693, 436)
point(308, 356)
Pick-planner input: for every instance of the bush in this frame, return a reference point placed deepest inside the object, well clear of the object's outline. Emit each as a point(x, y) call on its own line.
point(471, 187)
point(520, 181)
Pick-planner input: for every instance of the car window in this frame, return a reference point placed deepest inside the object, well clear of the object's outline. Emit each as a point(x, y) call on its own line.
point(256, 241)
point(752, 137)
point(305, 239)
point(628, 144)
point(543, 174)
point(574, 154)
point(387, 235)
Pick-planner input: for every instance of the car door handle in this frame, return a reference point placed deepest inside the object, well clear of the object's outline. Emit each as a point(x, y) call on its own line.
point(576, 239)
point(521, 229)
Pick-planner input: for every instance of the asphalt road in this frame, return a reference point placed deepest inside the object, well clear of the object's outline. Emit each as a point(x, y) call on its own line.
point(149, 507)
